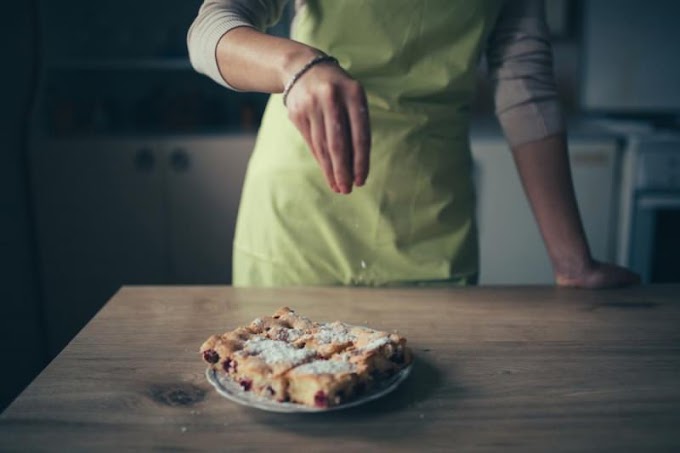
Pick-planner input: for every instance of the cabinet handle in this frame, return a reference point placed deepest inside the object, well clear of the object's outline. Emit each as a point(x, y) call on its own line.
point(589, 159)
point(179, 160)
point(144, 160)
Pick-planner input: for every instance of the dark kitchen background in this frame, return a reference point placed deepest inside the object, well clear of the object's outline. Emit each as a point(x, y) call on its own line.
point(121, 165)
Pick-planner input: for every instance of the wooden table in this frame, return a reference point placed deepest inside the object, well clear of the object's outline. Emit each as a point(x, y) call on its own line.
point(497, 369)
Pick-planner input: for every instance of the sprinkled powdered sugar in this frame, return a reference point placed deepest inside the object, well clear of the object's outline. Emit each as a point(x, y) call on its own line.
point(336, 333)
point(375, 344)
point(274, 351)
point(325, 367)
point(289, 335)
point(257, 323)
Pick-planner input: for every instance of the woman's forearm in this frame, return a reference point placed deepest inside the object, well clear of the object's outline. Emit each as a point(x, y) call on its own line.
point(544, 169)
point(250, 60)
point(326, 105)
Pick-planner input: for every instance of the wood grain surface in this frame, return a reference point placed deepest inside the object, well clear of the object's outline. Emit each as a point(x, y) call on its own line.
point(497, 369)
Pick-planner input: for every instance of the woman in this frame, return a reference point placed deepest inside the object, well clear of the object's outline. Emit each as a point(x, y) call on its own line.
point(390, 83)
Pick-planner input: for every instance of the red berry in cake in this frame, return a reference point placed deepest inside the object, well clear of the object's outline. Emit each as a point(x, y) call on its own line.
point(229, 366)
point(246, 384)
point(320, 399)
point(210, 356)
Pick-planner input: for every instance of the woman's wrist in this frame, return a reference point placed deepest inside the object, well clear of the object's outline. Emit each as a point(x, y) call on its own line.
point(249, 60)
point(301, 72)
point(294, 60)
point(572, 263)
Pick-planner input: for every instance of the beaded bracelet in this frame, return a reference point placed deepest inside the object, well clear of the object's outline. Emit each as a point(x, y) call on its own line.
point(314, 61)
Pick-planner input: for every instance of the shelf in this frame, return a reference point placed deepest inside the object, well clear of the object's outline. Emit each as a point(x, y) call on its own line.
point(142, 136)
point(123, 64)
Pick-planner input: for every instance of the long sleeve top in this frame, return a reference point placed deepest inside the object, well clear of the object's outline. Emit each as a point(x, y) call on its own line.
point(518, 53)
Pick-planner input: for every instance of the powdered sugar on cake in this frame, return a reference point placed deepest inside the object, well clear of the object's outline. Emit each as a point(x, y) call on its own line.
point(276, 351)
point(334, 333)
point(289, 335)
point(375, 344)
point(325, 367)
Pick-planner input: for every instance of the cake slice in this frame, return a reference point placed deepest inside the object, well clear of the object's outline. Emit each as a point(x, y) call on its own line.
point(330, 338)
point(254, 361)
point(383, 353)
point(261, 364)
point(322, 383)
point(284, 325)
point(218, 350)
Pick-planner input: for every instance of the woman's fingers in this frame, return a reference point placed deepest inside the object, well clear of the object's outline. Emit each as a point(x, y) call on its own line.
point(302, 123)
point(318, 138)
point(360, 131)
point(338, 143)
point(329, 108)
point(310, 123)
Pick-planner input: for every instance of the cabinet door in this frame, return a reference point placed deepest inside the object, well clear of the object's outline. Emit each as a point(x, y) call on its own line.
point(511, 248)
point(99, 212)
point(205, 176)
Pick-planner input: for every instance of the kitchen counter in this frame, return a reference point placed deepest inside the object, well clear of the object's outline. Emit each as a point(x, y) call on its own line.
point(497, 369)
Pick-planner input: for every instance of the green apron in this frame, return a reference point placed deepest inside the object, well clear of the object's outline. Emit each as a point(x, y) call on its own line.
point(413, 221)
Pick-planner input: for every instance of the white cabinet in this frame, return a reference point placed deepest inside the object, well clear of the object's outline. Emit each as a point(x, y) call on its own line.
point(131, 211)
point(203, 190)
point(511, 248)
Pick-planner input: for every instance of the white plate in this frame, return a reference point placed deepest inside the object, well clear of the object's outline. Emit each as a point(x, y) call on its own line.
point(233, 391)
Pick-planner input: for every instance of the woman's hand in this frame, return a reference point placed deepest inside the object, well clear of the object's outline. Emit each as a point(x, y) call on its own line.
point(325, 103)
point(595, 275)
point(329, 108)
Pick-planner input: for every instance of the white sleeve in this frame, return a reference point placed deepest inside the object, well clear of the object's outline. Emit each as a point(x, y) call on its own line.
point(217, 17)
point(519, 55)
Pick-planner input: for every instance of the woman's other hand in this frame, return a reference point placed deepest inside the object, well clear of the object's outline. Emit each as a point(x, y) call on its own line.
point(596, 275)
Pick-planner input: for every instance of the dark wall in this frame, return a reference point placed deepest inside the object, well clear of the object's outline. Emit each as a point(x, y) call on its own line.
point(21, 342)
